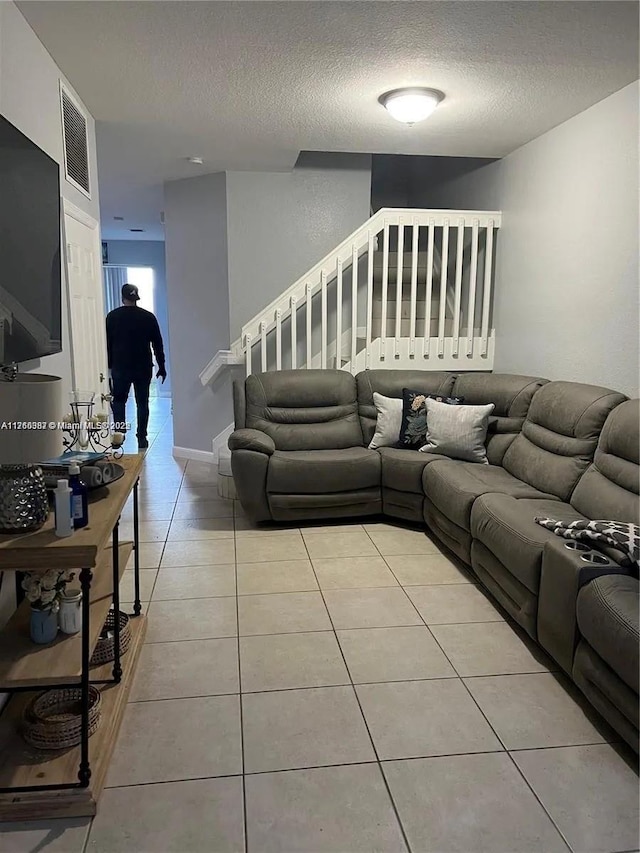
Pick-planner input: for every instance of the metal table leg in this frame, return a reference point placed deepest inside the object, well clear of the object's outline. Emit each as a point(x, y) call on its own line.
point(117, 669)
point(84, 772)
point(20, 593)
point(137, 607)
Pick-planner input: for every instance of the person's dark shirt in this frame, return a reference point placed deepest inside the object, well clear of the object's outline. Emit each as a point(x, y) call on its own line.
point(131, 332)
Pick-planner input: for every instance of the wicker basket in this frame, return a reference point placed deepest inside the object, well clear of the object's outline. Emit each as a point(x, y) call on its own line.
point(53, 719)
point(104, 650)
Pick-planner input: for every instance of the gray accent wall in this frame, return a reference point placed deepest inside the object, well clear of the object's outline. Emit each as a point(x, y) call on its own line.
point(147, 253)
point(282, 224)
point(566, 299)
point(198, 300)
point(234, 242)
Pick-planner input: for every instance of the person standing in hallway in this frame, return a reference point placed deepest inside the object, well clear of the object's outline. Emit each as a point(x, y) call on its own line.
point(131, 333)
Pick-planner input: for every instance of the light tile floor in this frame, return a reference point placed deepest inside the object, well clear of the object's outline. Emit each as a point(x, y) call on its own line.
point(335, 688)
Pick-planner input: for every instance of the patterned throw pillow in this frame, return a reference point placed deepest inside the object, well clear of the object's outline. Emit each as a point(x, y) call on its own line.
point(413, 431)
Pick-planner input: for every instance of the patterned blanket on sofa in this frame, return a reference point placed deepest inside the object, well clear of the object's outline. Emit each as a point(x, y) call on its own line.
point(616, 534)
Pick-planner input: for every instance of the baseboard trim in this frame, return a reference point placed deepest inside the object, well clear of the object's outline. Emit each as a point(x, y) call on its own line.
point(195, 455)
point(220, 441)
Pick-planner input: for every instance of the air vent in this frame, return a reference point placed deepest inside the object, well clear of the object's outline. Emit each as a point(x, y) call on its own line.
point(76, 148)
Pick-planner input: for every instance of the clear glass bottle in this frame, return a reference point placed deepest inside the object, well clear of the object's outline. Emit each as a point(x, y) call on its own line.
point(70, 614)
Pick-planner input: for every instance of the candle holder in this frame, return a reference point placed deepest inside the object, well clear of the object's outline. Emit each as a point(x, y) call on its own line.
point(85, 431)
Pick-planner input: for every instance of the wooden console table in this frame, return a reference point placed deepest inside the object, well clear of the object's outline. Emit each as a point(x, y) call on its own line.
point(36, 784)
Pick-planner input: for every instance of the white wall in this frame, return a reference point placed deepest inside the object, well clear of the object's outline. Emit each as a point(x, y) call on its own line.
point(29, 99)
point(147, 253)
point(281, 224)
point(566, 301)
point(198, 298)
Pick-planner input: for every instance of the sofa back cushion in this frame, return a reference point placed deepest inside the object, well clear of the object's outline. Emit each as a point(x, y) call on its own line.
point(390, 383)
point(304, 409)
point(609, 488)
point(239, 404)
point(559, 436)
point(510, 394)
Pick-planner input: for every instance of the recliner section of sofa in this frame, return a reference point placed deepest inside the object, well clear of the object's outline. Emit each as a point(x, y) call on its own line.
point(451, 487)
point(605, 666)
point(587, 615)
point(301, 453)
point(508, 545)
point(543, 462)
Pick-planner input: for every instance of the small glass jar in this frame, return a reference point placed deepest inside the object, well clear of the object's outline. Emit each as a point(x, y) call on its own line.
point(70, 615)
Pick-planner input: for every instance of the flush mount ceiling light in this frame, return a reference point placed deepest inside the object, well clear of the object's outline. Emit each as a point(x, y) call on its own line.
point(196, 161)
point(411, 105)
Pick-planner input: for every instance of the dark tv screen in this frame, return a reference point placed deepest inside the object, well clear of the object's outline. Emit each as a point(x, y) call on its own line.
point(30, 273)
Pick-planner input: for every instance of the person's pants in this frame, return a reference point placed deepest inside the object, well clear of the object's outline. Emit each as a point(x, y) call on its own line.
point(122, 381)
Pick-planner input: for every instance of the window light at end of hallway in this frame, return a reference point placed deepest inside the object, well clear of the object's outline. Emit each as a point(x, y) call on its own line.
point(411, 105)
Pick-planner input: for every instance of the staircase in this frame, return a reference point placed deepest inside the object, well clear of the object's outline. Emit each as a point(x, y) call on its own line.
point(410, 288)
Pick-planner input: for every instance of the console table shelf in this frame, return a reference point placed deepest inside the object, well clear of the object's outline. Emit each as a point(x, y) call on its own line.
point(22, 663)
point(22, 765)
point(38, 784)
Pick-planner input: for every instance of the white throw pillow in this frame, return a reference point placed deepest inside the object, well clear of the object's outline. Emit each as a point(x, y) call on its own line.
point(389, 421)
point(457, 431)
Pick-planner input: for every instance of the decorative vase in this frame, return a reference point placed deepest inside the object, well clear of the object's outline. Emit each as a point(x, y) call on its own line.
point(24, 505)
point(70, 617)
point(43, 625)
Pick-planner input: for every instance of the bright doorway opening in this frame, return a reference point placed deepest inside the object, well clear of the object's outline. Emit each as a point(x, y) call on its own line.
point(144, 280)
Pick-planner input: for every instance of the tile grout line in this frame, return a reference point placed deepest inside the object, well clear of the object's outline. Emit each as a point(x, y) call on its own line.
point(92, 818)
point(382, 761)
point(500, 740)
point(364, 719)
point(245, 823)
point(542, 805)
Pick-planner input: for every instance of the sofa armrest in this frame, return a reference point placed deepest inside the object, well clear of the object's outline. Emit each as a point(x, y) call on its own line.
point(251, 439)
point(564, 573)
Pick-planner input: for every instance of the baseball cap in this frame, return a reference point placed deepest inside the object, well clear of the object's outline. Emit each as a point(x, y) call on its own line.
point(130, 291)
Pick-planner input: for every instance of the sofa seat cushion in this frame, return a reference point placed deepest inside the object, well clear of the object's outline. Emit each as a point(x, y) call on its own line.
point(454, 486)
point(607, 613)
point(506, 527)
point(402, 468)
point(316, 472)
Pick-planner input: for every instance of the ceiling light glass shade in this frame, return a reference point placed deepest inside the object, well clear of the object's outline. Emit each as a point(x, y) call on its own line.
point(411, 105)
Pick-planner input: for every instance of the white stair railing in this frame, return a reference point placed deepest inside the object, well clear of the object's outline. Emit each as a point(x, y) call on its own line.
point(409, 288)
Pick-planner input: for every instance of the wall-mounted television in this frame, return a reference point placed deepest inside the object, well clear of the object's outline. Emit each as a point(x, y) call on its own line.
point(30, 265)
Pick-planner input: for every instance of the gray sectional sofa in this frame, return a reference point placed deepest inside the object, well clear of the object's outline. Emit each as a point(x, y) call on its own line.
point(559, 449)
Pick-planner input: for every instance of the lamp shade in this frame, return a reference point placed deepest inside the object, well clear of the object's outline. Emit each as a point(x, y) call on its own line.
point(31, 399)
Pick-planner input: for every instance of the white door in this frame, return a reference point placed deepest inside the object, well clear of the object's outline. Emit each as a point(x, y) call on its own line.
point(86, 302)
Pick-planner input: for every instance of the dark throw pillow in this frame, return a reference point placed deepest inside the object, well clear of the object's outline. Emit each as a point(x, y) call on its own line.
point(413, 430)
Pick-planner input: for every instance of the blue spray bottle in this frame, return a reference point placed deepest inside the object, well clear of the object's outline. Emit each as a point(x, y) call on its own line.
point(79, 499)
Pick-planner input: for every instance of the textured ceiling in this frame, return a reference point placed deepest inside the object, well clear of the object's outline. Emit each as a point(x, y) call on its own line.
point(248, 85)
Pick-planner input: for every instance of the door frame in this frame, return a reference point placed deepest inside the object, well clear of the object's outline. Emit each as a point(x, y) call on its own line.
point(70, 209)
